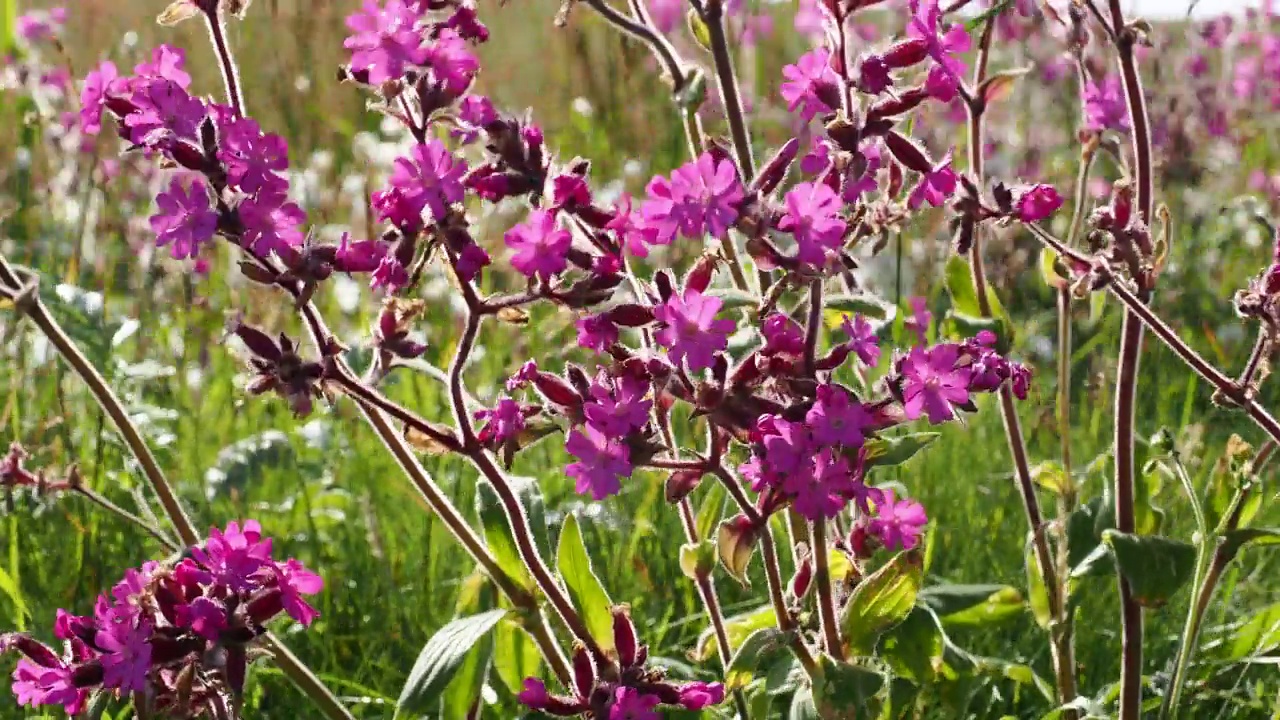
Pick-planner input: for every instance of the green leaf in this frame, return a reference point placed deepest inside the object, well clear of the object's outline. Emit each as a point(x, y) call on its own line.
point(463, 691)
point(885, 451)
point(697, 560)
point(737, 628)
point(1049, 270)
point(964, 299)
point(1084, 533)
point(844, 691)
point(972, 605)
point(914, 648)
point(1037, 593)
point(9, 586)
point(733, 298)
point(440, 660)
point(802, 706)
point(1258, 636)
point(711, 509)
point(756, 655)
point(588, 595)
point(1234, 540)
point(1156, 567)
point(515, 656)
point(881, 601)
point(497, 531)
point(868, 306)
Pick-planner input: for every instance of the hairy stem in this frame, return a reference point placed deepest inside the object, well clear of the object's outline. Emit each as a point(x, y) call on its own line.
point(226, 62)
point(1060, 645)
point(826, 599)
point(27, 300)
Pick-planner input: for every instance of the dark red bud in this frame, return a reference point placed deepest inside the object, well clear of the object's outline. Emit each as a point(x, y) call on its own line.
point(893, 106)
point(681, 483)
point(556, 390)
point(584, 670)
point(775, 170)
point(803, 578)
point(624, 636)
point(630, 315)
point(703, 271)
point(906, 53)
point(662, 279)
point(258, 342)
point(907, 152)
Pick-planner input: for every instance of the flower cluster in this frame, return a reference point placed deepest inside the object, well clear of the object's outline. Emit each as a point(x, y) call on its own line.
point(172, 636)
point(636, 693)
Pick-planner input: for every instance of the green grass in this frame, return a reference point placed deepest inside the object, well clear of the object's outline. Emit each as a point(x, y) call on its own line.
point(328, 492)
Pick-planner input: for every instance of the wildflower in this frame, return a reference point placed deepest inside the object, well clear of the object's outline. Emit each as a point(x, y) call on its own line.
point(385, 39)
point(616, 411)
point(390, 274)
point(126, 655)
point(504, 422)
point(251, 157)
point(163, 105)
point(471, 261)
point(898, 522)
point(40, 26)
point(534, 696)
point(941, 45)
point(920, 318)
point(932, 383)
point(431, 178)
point(822, 488)
point(788, 446)
point(541, 248)
point(935, 186)
point(667, 14)
point(597, 332)
point(93, 96)
point(862, 339)
point(232, 557)
point(186, 220)
point(813, 218)
point(271, 222)
point(1037, 202)
point(474, 112)
point(36, 685)
point(811, 85)
point(699, 695)
point(601, 462)
point(836, 420)
point(294, 580)
point(629, 226)
point(690, 330)
point(782, 336)
point(167, 63)
point(451, 62)
point(701, 196)
point(631, 704)
point(1104, 105)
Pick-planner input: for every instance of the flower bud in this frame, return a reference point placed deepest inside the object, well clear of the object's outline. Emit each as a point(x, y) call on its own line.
point(630, 315)
point(584, 670)
point(775, 170)
point(801, 581)
point(680, 483)
point(624, 636)
point(556, 390)
point(907, 152)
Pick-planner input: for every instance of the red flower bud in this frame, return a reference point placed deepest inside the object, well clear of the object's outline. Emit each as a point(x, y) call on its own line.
point(907, 152)
point(624, 636)
point(630, 315)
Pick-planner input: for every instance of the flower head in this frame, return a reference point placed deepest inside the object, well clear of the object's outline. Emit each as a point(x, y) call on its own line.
point(126, 656)
point(631, 704)
point(430, 178)
point(451, 62)
point(699, 695)
point(384, 39)
point(618, 407)
point(36, 685)
point(504, 422)
point(294, 580)
point(541, 246)
point(93, 96)
point(231, 558)
point(168, 63)
point(602, 461)
point(1037, 202)
point(835, 419)
point(936, 186)
point(689, 329)
point(898, 522)
point(813, 217)
point(701, 197)
point(862, 339)
point(186, 220)
point(932, 384)
point(1104, 105)
point(823, 487)
point(811, 86)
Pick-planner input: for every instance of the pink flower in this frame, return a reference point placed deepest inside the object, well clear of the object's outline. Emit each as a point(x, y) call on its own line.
point(701, 197)
point(126, 654)
point(898, 522)
point(920, 318)
point(232, 557)
point(629, 226)
point(163, 105)
point(809, 19)
point(390, 274)
point(597, 332)
point(167, 62)
point(822, 488)
point(618, 407)
point(471, 261)
point(252, 158)
point(631, 704)
point(451, 62)
point(186, 219)
point(862, 339)
point(294, 580)
point(271, 222)
point(690, 330)
point(1105, 107)
point(1036, 202)
point(93, 96)
point(936, 186)
point(813, 218)
point(385, 40)
point(782, 336)
point(942, 45)
point(474, 113)
point(40, 26)
point(834, 419)
point(667, 14)
point(788, 447)
point(811, 85)
point(36, 685)
point(504, 422)
point(534, 696)
point(431, 179)
point(601, 462)
point(541, 247)
point(931, 383)
point(698, 695)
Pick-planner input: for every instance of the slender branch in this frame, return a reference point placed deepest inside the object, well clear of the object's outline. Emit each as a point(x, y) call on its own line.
point(727, 81)
point(814, 327)
point(1060, 645)
point(457, 397)
point(645, 33)
point(226, 63)
point(826, 600)
point(130, 518)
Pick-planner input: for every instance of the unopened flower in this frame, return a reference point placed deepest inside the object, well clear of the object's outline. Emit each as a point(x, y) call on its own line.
point(186, 220)
point(1037, 202)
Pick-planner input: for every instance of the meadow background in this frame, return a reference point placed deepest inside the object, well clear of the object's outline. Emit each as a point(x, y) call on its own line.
point(327, 491)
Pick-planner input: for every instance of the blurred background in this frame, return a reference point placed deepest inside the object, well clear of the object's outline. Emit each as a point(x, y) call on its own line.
point(76, 210)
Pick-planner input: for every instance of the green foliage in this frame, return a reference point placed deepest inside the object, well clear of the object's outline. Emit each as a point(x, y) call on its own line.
point(1156, 567)
point(585, 590)
point(463, 645)
point(883, 599)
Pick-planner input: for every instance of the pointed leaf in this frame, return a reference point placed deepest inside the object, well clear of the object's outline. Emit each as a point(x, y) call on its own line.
point(869, 306)
point(885, 451)
point(882, 600)
point(757, 654)
point(802, 706)
point(737, 628)
point(844, 691)
point(440, 659)
point(497, 529)
point(588, 595)
point(1234, 540)
point(1156, 567)
point(914, 648)
point(1037, 593)
point(1260, 635)
point(965, 605)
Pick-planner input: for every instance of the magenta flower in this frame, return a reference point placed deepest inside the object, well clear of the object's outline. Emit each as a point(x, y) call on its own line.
point(474, 113)
point(835, 419)
point(597, 332)
point(385, 40)
point(451, 62)
point(271, 223)
point(36, 685)
point(206, 617)
point(813, 218)
point(920, 318)
point(782, 336)
point(690, 331)
point(822, 488)
point(541, 247)
point(504, 422)
point(788, 448)
point(294, 580)
point(186, 219)
point(471, 261)
point(631, 704)
point(231, 558)
point(431, 179)
point(252, 159)
point(898, 522)
point(1037, 202)
point(701, 197)
point(126, 655)
point(811, 85)
point(932, 384)
point(167, 62)
point(534, 696)
point(1104, 105)
point(862, 339)
point(390, 274)
point(601, 462)
point(39, 26)
point(616, 411)
point(629, 226)
point(93, 96)
point(667, 14)
point(936, 186)
point(699, 695)
point(941, 44)
point(164, 106)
